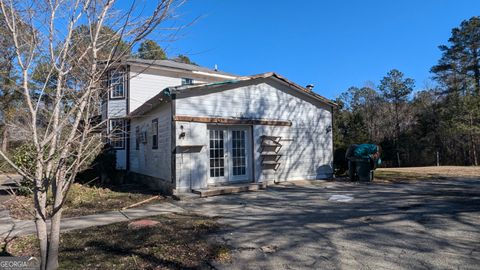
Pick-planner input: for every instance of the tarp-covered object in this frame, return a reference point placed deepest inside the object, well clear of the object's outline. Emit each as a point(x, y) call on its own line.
point(365, 150)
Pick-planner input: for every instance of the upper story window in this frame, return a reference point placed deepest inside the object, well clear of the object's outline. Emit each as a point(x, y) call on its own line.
point(117, 133)
point(155, 134)
point(116, 84)
point(187, 81)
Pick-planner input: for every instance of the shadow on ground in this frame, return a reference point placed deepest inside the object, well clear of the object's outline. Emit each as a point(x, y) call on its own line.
point(422, 225)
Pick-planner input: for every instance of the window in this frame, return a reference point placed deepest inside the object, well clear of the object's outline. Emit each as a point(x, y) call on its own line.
point(137, 138)
point(155, 134)
point(116, 84)
point(187, 81)
point(117, 128)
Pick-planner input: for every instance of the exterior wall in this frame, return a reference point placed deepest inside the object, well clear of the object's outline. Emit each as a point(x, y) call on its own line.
point(145, 84)
point(307, 144)
point(153, 164)
point(121, 158)
point(117, 108)
point(190, 156)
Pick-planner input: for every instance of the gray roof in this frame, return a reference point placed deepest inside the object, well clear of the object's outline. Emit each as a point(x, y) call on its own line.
point(176, 65)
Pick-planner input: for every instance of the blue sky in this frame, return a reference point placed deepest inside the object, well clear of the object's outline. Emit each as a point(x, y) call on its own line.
point(332, 44)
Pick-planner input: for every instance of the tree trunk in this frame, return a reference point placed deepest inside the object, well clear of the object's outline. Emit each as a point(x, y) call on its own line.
point(41, 225)
point(476, 70)
point(54, 241)
point(57, 189)
point(5, 140)
point(473, 143)
point(474, 153)
point(397, 132)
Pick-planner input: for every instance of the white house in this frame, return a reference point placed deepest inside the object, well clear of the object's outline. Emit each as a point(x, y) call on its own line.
point(187, 128)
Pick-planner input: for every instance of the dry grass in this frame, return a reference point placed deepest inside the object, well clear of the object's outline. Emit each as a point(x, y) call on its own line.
point(82, 200)
point(176, 242)
point(426, 173)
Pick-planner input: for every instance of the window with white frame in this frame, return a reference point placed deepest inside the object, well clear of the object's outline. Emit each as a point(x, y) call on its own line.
point(117, 133)
point(116, 84)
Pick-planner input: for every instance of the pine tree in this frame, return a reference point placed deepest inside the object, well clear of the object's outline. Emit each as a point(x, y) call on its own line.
point(150, 50)
point(396, 90)
point(184, 59)
point(458, 71)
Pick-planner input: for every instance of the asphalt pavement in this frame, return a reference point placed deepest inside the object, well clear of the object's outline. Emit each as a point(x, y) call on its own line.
point(417, 225)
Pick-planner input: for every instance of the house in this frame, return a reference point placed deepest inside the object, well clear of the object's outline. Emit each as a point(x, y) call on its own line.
point(182, 127)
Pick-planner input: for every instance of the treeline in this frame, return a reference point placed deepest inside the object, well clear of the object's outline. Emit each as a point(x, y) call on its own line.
point(439, 125)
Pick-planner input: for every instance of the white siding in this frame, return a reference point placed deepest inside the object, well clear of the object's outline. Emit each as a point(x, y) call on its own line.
point(145, 83)
point(307, 146)
point(190, 167)
point(144, 86)
point(117, 108)
point(153, 162)
point(121, 159)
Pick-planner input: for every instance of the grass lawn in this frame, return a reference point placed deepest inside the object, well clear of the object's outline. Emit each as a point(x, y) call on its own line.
point(426, 173)
point(176, 242)
point(83, 200)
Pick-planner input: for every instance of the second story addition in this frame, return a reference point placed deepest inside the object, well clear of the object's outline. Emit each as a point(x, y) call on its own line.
point(137, 80)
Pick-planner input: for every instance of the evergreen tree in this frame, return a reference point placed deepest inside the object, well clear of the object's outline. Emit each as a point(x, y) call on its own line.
point(396, 90)
point(458, 71)
point(9, 96)
point(184, 59)
point(150, 50)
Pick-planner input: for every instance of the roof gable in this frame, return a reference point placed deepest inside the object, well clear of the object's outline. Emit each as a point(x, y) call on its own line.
point(192, 90)
point(251, 80)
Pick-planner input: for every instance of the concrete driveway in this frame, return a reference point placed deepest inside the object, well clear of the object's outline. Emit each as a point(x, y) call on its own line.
point(421, 225)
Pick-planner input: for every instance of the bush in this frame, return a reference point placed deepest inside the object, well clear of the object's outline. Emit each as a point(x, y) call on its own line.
point(24, 158)
point(102, 167)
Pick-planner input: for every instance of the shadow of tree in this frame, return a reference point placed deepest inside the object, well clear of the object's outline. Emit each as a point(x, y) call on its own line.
point(416, 226)
point(177, 242)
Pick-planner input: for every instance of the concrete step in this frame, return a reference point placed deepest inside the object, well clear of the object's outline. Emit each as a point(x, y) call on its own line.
point(229, 189)
point(185, 196)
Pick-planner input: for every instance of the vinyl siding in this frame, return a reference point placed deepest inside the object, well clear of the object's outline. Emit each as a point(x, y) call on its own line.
point(144, 86)
point(117, 108)
point(191, 167)
point(307, 146)
point(152, 162)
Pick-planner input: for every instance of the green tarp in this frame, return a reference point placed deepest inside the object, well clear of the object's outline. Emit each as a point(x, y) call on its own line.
point(365, 150)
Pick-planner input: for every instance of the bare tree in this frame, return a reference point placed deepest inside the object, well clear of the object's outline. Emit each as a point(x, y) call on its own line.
point(60, 110)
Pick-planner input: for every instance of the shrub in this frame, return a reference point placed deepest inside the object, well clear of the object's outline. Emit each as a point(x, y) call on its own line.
point(24, 158)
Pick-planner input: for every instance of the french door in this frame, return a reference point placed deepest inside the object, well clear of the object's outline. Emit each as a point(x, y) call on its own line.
point(229, 154)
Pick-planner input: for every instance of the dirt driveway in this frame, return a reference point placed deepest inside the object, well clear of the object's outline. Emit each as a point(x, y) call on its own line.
point(421, 225)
